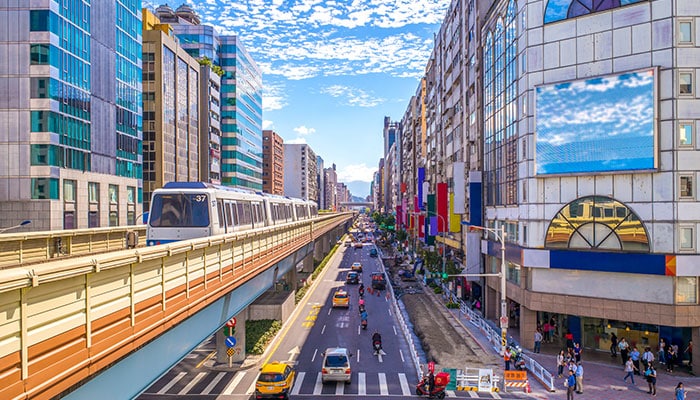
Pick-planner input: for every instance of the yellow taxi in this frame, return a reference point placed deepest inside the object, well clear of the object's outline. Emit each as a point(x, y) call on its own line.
point(275, 381)
point(341, 298)
point(356, 266)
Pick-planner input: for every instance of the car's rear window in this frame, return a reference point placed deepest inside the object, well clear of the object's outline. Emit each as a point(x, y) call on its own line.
point(271, 378)
point(341, 295)
point(336, 361)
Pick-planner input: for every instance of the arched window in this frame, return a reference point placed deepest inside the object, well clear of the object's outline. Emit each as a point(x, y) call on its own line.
point(559, 10)
point(597, 223)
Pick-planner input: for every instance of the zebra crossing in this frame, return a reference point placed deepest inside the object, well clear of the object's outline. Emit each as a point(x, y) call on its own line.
point(306, 384)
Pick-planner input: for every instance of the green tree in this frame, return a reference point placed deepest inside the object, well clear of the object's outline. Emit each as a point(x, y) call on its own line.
point(401, 235)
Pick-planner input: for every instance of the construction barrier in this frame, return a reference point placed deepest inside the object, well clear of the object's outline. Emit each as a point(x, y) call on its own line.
point(476, 380)
point(516, 379)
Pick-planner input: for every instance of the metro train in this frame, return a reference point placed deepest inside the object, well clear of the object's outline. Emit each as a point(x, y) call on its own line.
point(188, 210)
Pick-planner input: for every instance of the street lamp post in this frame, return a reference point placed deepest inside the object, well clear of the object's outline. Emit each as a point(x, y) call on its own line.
point(504, 302)
point(23, 223)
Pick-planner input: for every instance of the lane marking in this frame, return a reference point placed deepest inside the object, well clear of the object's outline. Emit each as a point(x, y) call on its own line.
point(213, 383)
point(234, 382)
point(297, 383)
point(395, 331)
point(496, 395)
point(314, 356)
point(339, 388)
point(405, 388)
point(318, 385)
point(172, 383)
point(212, 354)
point(251, 388)
point(323, 329)
point(193, 382)
point(383, 389)
point(472, 394)
point(450, 393)
point(361, 384)
point(401, 355)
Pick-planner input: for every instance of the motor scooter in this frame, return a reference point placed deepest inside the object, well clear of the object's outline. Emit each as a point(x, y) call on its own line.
point(377, 346)
point(435, 392)
point(363, 323)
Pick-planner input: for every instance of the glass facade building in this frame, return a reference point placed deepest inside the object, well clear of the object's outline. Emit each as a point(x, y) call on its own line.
point(73, 109)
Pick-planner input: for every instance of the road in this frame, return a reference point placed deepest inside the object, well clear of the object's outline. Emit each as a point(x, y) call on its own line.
point(313, 327)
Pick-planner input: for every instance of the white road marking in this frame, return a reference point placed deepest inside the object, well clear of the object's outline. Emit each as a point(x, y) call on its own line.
point(193, 382)
point(339, 388)
point(405, 387)
point(314, 356)
point(450, 393)
point(329, 310)
point(213, 383)
point(358, 355)
point(473, 395)
point(496, 395)
point(251, 388)
point(395, 331)
point(361, 384)
point(318, 385)
point(383, 389)
point(379, 356)
point(172, 383)
point(297, 383)
point(323, 329)
point(401, 355)
point(234, 382)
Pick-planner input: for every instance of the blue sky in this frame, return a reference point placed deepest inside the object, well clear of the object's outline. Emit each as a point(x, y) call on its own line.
point(332, 69)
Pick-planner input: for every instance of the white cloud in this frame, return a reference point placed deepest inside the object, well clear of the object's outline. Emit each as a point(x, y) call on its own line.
point(273, 97)
point(353, 96)
point(299, 140)
point(303, 131)
point(267, 124)
point(358, 172)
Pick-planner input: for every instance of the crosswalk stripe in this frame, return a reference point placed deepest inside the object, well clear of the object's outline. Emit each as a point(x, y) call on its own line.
point(297, 383)
point(172, 383)
point(318, 386)
point(496, 395)
point(405, 388)
point(361, 384)
point(450, 393)
point(383, 389)
point(234, 382)
point(193, 382)
point(473, 395)
point(213, 383)
point(251, 388)
point(339, 388)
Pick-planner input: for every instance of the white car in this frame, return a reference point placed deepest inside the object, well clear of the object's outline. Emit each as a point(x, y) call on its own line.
point(336, 365)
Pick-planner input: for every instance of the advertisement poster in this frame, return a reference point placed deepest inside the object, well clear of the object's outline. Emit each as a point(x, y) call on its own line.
point(485, 379)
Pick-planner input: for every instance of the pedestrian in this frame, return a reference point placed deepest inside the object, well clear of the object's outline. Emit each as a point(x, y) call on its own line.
point(570, 386)
point(569, 340)
point(577, 352)
point(613, 345)
point(650, 374)
point(579, 378)
point(506, 358)
point(538, 340)
point(624, 350)
point(629, 370)
point(546, 332)
point(670, 358)
point(680, 392)
point(689, 351)
point(635, 359)
point(647, 357)
point(662, 351)
point(560, 364)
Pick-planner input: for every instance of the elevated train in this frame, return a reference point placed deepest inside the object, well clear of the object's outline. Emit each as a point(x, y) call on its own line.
point(188, 210)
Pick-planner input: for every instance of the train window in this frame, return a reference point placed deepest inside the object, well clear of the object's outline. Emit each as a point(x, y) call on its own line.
point(248, 214)
point(230, 216)
point(179, 210)
point(220, 209)
point(241, 213)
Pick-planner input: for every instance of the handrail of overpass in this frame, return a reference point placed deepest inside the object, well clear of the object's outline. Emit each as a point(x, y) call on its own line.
point(32, 247)
point(67, 319)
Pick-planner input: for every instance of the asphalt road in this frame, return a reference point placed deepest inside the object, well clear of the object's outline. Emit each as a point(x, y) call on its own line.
point(313, 327)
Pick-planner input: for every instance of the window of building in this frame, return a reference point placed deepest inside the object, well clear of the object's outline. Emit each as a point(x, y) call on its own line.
point(685, 134)
point(93, 192)
point(686, 186)
point(686, 238)
point(69, 190)
point(564, 9)
point(39, 54)
point(687, 289)
point(45, 188)
point(685, 82)
point(685, 32)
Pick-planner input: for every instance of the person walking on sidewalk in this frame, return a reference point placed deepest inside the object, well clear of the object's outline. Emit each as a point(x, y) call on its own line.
point(650, 374)
point(680, 392)
point(629, 370)
point(560, 364)
point(579, 378)
point(670, 359)
point(624, 349)
point(689, 351)
point(613, 345)
point(538, 340)
point(635, 359)
point(570, 386)
point(662, 351)
point(647, 358)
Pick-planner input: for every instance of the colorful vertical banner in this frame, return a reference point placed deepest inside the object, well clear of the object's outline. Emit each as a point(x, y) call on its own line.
point(421, 224)
point(399, 217)
point(442, 206)
point(455, 220)
point(433, 228)
point(421, 179)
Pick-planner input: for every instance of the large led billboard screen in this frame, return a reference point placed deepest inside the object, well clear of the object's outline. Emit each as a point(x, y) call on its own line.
point(603, 124)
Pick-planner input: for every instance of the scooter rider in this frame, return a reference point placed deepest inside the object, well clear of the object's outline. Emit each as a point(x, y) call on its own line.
point(363, 316)
point(377, 338)
point(361, 290)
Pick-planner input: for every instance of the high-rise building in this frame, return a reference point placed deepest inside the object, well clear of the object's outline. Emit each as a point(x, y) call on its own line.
point(330, 180)
point(241, 95)
point(170, 109)
point(209, 124)
point(320, 184)
point(300, 172)
point(71, 108)
point(273, 163)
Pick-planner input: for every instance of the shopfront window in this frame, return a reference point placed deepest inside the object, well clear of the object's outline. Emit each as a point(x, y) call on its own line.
point(687, 290)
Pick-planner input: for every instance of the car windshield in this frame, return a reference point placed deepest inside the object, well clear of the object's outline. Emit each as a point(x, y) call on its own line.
point(340, 296)
point(269, 377)
point(336, 361)
point(179, 210)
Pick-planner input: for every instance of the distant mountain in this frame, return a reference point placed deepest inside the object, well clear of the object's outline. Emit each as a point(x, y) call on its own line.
point(357, 199)
point(358, 189)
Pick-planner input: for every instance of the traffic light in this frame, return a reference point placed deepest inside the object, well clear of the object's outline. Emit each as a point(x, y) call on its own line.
point(444, 275)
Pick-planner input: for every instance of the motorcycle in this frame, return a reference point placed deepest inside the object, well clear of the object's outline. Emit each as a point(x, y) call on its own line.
point(363, 323)
point(423, 389)
point(516, 355)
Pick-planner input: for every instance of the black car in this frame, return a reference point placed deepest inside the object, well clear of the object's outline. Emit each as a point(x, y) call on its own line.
point(352, 277)
point(373, 252)
point(378, 281)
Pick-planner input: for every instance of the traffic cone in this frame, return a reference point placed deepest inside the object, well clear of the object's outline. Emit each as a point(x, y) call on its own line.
point(527, 387)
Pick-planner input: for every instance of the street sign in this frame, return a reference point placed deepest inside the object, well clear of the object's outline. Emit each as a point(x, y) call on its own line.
point(231, 323)
point(504, 322)
point(230, 341)
point(230, 351)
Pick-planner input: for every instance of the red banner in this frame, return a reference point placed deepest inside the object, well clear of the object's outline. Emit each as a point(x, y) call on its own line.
point(442, 206)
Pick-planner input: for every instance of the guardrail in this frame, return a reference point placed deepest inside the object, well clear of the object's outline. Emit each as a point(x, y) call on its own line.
point(33, 247)
point(494, 339)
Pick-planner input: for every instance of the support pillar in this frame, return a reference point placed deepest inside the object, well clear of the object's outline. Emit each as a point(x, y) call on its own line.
point(318, 250)
point(239, 349)
point(695, 337)
point(308, 263)
point(528, 325)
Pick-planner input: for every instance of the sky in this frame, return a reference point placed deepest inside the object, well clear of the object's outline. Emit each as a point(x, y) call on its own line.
point(596, 125)
point(332, 70)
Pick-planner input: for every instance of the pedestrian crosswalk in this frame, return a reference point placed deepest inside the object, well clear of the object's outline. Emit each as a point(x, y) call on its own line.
point(306, 384)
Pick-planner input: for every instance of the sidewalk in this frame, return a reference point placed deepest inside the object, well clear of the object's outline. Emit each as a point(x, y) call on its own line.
point(602, 374)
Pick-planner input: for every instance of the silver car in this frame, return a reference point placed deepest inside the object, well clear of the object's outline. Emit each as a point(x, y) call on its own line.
point(336, 365)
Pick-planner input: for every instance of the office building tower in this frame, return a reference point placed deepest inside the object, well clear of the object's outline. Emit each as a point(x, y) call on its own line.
point(300, 172)
point(273, 163)
point(71, 104)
